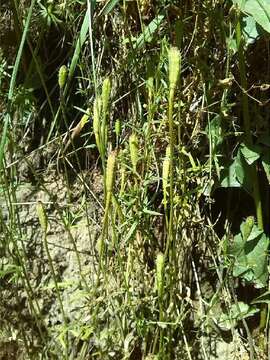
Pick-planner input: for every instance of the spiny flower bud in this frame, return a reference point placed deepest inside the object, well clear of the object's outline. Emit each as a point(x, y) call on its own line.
point(84, 118)
point(80, 125)
point(133, 149)
point(117, 127)
point(62, 76)
point(106, 91)
point(174, 66)
point(110, 171)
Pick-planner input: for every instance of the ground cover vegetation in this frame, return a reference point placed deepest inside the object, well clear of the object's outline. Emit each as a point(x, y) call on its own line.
point(134, 179)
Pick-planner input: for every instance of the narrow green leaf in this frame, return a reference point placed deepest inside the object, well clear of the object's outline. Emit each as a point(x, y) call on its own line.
point(131, 231)
point(79, 44)
point(13, 81)
point(148, 32)
point(109, 6)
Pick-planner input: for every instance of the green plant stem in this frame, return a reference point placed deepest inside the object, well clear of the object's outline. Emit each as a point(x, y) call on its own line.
point(56, 288)
point(249, 141)
point(171, 143)
point(248, 135)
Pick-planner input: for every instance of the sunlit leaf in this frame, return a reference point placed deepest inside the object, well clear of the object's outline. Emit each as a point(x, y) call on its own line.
point(258, 9)
point(250, 256)
point(251, 153)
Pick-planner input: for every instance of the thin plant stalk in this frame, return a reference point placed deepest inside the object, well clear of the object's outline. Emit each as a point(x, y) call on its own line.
point(248, 135)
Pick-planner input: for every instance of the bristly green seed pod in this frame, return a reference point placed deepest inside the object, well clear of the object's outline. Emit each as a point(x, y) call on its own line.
point(84, 118)
point(134, 150)
point(106, 92)
point(110, 172)
point(62, 76)
point(174, 66)
point(160, 265)
point(42, 216)
point(117, 127)
point(166, 173)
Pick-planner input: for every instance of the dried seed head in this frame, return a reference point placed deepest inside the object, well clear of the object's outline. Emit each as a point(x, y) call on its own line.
point(106, 91)
point(160, 265)
point(134, 150)
point(174, 66)
point(62, 76)
point(42, 216)
point(166, 173)
point(110, 171)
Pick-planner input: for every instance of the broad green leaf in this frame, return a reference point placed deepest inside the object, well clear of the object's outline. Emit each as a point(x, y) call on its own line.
point(258, 9)
point(242, 170)
point(250, 255)
point(251, 153)
point(238, 173)
point(246, 227)
point(228, 176)
point(236, 313)
point(250, 30)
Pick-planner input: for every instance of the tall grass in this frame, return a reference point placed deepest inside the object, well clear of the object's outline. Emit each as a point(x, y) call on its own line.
point(145, 116)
